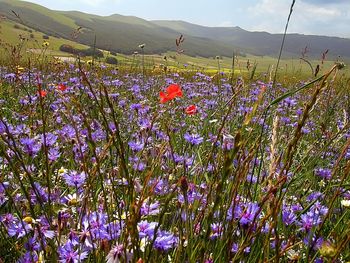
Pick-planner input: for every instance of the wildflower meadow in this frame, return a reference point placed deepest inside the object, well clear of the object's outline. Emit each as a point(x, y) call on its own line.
point(105, 164)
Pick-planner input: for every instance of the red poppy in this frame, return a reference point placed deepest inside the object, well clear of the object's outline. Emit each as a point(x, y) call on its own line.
point(190, 110)
point(42, 93)
point(163, 97)
point(61, 87)
point(172, 91)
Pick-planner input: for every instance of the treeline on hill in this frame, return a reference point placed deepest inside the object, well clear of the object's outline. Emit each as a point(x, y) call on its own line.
point(89, 52)
point(93, 52)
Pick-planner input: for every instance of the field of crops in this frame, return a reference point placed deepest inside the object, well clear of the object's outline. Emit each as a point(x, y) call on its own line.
point(99, 164)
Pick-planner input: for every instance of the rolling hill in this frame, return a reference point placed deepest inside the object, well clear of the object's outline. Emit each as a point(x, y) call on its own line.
point(123, 34)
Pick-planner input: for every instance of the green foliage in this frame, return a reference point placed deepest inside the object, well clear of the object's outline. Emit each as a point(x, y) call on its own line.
point(89, 52)
point(111, 60)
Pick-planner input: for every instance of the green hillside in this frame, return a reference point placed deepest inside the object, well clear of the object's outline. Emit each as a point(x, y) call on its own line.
point(12, 32)
point(123, 34)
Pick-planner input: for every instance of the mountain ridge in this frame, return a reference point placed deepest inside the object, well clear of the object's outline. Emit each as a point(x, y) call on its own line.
point(123, 34)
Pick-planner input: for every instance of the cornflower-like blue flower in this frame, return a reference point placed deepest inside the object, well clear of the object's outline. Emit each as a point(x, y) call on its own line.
point(30, 146)
point(32, 244)
point(309, 220)
point(19, 129)
point(314, 196)
point(139, 166)
point(288, 216)
point(44, 228)
point(165, 241)
point(150, 208)
point(289, 102)
point(67, 132)
point(29, 257)
point(10, 76)
point(160, 186)
point(95, 226)
point(136, 145)
point(146, 229)
point(144, 124)
point(75, 179)
point(323, 173)
point(192, 195)
point(18, 229)
point(3, 197)
point(216, 229)
point(7, 219)
point(319, 209)
point(98, 135)
point(311, 241)
point(51, 139)
point(54, 154)
point(247, 213)
point(112, 127)
point(67, 253)
point(122, 103)
point(2, 127)
point(38, 194)
point(193, 139)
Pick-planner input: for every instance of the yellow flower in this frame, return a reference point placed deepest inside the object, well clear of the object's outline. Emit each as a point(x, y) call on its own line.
point(62, 171)
point(73, 199)
point(28, 220)
point(19, 69)
point(45, 44)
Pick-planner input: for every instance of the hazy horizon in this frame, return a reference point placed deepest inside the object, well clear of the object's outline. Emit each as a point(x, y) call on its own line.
point(315, 17)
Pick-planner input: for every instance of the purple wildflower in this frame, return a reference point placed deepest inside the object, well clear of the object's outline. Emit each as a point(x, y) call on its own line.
point(29, 257)
point(216, 229)
point(248, 213)
point(309, 220)
point(75, 179)
point(3, 197)
point(288, 216)
point(54, 154)
point(18, 229)
point(38, 193)
point(50, 138)
point(314, 196)
point(146, 229)
point(148, 208)
point(30, 146)
point(323, 173)
point(136, 145)
point(67, 253)
point(165, 241)
point(193, 139)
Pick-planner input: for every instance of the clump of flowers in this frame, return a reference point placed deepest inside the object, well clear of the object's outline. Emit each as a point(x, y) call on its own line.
point(172, 91)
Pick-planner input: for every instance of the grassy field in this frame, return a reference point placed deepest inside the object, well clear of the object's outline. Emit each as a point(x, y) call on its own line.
point(262, 64)
point(162, 159)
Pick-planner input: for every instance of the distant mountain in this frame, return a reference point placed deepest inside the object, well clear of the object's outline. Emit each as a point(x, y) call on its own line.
point(263, 43)
point(124, 33)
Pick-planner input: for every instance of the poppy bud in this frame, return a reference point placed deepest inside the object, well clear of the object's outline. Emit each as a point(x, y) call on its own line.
point(190, 110)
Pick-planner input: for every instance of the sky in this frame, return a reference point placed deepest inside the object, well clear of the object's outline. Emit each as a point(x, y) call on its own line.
point(316, 17)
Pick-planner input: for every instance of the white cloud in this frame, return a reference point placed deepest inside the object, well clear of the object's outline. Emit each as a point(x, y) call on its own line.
point(308, 17)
